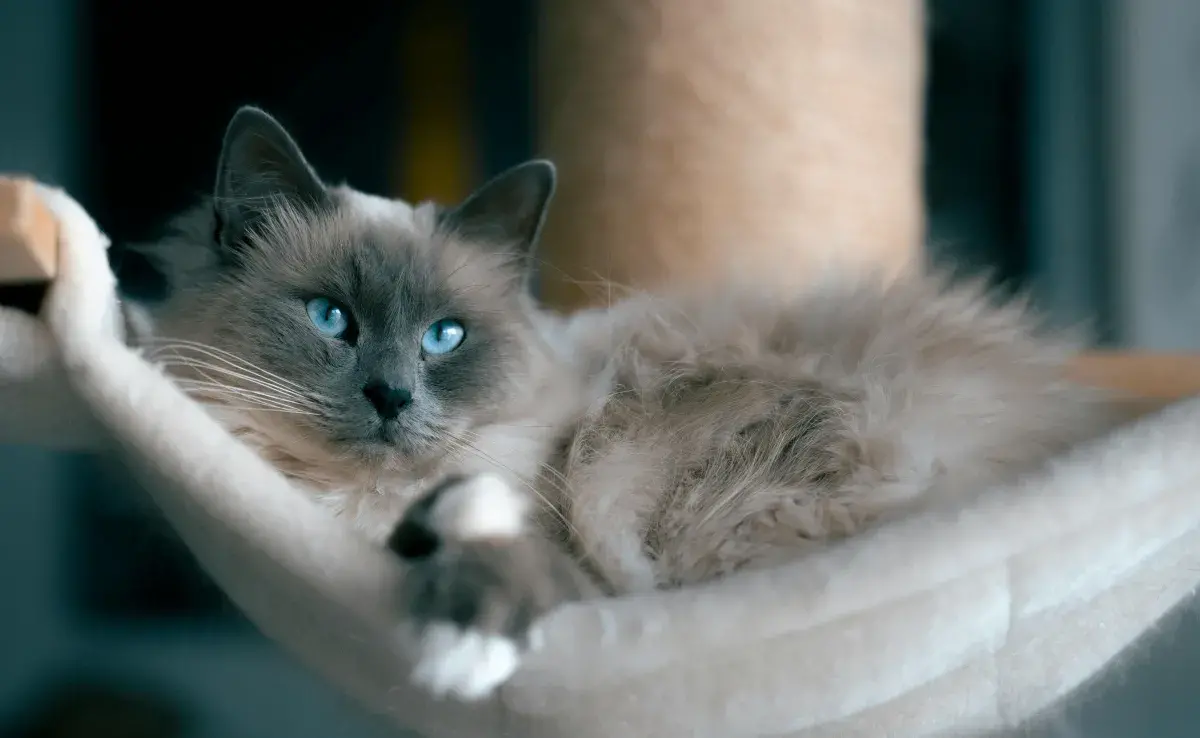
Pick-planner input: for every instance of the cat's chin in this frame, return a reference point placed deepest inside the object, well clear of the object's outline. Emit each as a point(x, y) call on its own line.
point(395, 446)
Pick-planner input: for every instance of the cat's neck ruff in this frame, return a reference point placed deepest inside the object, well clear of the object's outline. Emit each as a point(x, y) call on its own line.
point(372, 494)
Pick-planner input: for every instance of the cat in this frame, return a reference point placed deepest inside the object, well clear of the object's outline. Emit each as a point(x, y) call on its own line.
point(391, 360)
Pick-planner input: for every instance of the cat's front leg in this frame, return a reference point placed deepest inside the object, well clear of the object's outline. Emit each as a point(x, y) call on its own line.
point(481, 576)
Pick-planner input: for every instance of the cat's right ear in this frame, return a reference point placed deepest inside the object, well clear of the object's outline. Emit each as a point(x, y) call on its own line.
point(260, 168)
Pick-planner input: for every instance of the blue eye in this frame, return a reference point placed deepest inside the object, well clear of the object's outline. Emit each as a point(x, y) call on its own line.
point(443, 337)
point(327, 317)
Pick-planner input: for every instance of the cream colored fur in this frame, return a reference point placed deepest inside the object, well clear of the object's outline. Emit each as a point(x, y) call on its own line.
point(744, 429)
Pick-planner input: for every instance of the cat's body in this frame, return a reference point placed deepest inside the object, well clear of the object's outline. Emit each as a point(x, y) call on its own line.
point(744, 429)
point(666, 439)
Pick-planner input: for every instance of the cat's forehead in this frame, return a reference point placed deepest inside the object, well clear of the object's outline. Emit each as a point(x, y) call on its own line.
point(373, 207)
point(371, 249)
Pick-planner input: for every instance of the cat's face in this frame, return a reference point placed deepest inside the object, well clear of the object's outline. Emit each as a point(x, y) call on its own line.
point(368, 326)
point(393, 342)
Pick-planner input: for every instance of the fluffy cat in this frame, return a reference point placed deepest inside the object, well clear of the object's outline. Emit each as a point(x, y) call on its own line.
point(391, 360)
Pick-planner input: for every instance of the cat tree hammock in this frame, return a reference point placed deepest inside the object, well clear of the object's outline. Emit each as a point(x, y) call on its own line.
point(803, 151)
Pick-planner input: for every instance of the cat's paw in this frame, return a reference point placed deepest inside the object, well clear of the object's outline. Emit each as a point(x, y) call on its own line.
point(480, 577)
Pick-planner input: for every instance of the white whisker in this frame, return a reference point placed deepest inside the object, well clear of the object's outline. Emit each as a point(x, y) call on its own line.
point(227, 391)
point(232, 360)
point(204, 367)
point(203, 391)
point(225, 405)
point(177, 359)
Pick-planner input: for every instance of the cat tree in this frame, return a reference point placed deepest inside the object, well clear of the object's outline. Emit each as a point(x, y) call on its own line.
point(680, 164)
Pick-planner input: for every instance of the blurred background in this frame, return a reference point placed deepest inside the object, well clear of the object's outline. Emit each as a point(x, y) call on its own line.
point(1059, 134)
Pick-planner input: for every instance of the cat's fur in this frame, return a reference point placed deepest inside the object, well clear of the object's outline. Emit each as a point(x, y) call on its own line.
point(666, 439)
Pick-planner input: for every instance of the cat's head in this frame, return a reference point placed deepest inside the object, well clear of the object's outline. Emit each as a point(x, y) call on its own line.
point(369, 326)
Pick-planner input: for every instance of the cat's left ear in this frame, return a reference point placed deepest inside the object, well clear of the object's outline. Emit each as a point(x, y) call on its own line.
point(509, 210)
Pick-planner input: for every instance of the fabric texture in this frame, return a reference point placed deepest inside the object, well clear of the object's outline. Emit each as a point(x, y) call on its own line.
point(961, 622)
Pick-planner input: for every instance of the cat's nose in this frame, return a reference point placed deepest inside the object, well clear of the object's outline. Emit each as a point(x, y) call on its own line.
point(387, 400)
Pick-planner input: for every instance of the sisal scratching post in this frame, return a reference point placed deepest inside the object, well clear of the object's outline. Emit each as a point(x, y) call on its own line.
point(710, 140)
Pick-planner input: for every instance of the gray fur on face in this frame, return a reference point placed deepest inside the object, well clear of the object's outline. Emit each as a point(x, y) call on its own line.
point(242, 265)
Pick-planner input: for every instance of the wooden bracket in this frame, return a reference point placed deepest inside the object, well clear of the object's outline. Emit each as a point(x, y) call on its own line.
point(28, 244)
point(28, 234)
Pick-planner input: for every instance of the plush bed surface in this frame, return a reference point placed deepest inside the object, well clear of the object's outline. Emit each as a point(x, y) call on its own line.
point(959, 622)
